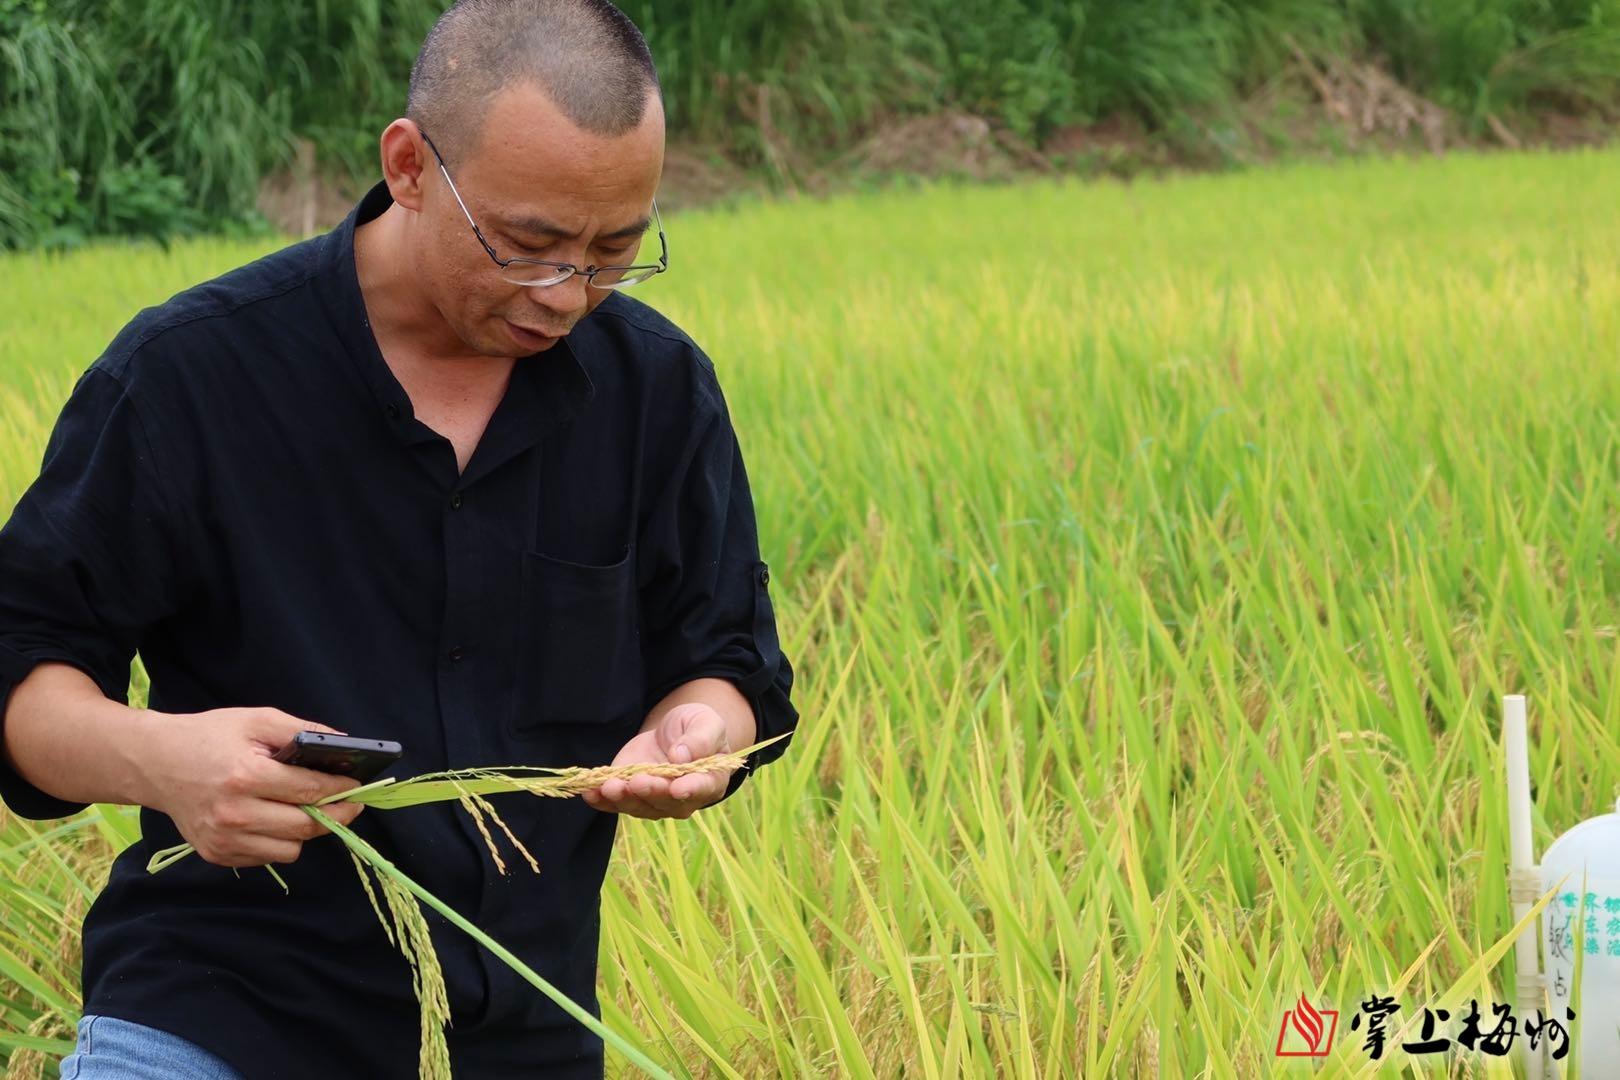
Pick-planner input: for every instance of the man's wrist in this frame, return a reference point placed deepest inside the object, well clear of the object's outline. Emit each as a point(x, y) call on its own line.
point(139, 739)
point(69, 740)
point(742, 723)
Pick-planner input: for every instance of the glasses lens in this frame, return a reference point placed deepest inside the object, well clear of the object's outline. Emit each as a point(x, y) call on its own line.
point(623, 278)
point(522, 273)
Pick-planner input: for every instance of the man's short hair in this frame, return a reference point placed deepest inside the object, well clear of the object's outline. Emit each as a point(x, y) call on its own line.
point(586, 55)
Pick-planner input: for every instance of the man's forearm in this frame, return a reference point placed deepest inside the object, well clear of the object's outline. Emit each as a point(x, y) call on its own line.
point(719, 694)
point(61, 734)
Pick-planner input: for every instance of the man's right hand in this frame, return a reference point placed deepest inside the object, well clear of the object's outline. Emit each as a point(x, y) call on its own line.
point(212, 773)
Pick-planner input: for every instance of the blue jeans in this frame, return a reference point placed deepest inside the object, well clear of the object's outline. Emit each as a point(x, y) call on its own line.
point(114, 1049)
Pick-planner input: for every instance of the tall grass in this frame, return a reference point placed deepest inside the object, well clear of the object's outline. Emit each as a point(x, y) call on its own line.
point(168, 113)
point(151, 117)
point(1155, 557)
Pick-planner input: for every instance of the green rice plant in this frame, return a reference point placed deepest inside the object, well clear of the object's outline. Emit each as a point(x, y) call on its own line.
point(1153, 557)
point(51, 874)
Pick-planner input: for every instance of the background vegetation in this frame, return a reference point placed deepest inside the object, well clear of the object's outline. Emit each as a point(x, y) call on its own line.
point(1154, 575)
point(159, 116)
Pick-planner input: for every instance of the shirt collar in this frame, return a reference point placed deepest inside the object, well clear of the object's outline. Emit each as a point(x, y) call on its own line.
point(546, 389)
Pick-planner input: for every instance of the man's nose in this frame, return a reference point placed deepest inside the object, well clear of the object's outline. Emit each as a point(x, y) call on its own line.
point(566, 298)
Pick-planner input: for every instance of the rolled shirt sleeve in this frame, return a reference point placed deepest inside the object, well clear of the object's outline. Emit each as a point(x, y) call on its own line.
point(706, 607)
point(87, 559)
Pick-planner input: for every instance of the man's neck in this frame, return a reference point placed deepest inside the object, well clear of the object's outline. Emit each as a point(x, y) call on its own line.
point(420, 347)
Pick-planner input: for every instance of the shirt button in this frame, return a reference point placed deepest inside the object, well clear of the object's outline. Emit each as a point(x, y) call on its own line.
point(392, 411)
point(455, 654)
point(764, 575)
point(455, 501)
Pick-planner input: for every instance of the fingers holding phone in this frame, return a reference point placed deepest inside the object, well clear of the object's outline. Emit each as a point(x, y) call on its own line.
point(215, 775)
point(329, 753)
point(339, 754)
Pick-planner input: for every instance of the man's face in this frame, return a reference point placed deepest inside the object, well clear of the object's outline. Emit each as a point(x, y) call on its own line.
point(541, 188)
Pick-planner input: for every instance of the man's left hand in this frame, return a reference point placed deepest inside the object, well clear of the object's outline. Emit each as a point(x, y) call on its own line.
point(685, 733)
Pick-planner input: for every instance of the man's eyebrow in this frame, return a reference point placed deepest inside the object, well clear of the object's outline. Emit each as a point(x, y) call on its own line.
point(540, 227)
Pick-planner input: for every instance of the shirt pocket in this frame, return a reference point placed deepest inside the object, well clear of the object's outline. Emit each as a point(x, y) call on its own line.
point(579, 645)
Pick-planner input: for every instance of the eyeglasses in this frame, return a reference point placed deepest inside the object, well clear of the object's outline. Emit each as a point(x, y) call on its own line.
point(540, 272)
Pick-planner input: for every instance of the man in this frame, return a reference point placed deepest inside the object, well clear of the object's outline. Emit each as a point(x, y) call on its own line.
point(432, 477)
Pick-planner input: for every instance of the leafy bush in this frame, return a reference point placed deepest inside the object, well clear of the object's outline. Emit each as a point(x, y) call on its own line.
point(160, 116)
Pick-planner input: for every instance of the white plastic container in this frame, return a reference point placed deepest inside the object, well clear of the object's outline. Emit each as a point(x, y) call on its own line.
point(1591, 849)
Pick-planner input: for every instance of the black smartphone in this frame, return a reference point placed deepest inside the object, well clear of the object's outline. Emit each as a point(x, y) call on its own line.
point(344, 755)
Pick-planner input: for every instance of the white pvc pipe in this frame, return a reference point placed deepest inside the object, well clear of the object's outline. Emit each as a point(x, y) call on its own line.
point(1524, 861)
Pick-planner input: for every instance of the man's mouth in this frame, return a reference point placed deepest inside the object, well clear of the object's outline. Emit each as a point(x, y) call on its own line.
point(530, 339)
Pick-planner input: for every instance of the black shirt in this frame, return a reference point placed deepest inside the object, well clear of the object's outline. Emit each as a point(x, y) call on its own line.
point(239, 490)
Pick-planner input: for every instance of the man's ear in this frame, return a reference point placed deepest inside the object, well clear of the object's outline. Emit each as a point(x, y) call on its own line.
point(405, 157)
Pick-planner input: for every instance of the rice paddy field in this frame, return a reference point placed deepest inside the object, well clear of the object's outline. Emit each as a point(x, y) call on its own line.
point(1153, 559)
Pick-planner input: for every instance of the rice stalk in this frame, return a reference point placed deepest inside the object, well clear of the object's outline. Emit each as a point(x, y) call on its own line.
point(425, 966)
point(365, 883)
point(477, 806)
point(463, 785)
point(468, 787)
point(427, 977)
